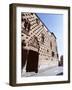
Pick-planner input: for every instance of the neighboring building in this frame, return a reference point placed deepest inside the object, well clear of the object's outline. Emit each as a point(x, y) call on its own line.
point(39, 47)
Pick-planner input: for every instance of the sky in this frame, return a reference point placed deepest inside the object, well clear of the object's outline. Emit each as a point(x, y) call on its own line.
point(54, 22)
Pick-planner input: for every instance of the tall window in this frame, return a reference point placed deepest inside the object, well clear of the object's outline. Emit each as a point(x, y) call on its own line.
point(51, 45)
point(42, 38)
point(53, 54)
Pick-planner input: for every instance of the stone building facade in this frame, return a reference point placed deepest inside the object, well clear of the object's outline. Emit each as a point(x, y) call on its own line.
point(36, 37)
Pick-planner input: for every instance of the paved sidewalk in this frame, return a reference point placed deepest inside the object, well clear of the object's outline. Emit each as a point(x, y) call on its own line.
point(48, 71)
point(51, 71)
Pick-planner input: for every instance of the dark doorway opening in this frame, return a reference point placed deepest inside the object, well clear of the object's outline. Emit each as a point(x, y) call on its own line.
point(30, 58)
point(32, 61)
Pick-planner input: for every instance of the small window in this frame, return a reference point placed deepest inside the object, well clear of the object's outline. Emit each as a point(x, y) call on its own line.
point(47, 50)
point(22, 35)
point(42, 25)
point(22, 19)
point(26, 14)
point(26, 37)
point(22, 14)
point(31, 13)
point(37, 21)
